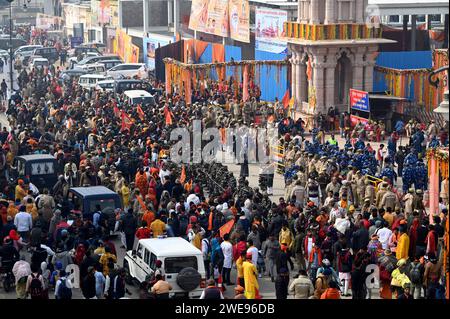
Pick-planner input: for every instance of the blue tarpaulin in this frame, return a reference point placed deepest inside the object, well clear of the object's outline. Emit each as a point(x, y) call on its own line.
point(405, 60)
point(272, 79)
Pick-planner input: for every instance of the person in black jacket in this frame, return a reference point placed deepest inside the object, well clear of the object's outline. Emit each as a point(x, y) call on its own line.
point(360, 238)
point(282, 283)
point(129, 226)
point(117, 287)
point(88, 287)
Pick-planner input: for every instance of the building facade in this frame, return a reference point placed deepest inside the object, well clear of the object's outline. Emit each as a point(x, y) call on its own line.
point(333, 47)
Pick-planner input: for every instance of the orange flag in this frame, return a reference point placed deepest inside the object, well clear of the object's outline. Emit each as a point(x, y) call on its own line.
point(210, 221)
point(168, 115)
point(126, 122)
point(183, 174)
point(141, 202)
point(226, 229)
point(309, 70)
point(285, 99)
point(140, 112)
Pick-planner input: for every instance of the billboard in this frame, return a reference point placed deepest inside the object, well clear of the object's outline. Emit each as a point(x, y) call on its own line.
point(270, 30)
point(239, 11)
point(124, 47)
point(150, 45)
point(359, 100)
point(210, 16)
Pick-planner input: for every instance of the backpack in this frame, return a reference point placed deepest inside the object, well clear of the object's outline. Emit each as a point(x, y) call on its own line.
point(36, 288)
point(64, 292)
point(208, 254)
point(415, 275)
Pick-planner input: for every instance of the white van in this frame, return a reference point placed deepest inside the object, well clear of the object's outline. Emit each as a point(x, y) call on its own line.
point(134, 97)
point(89, 81)
point(105, 86)
point(94, 68)
point(181, 261)
point(129, 70)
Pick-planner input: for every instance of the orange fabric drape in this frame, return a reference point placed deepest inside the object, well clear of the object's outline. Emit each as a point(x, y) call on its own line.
point(245, 83)
point(218, 53)
point(141, 202)
point(187, 85)
point(183, 174)
point(200, 47)
point(168, 78)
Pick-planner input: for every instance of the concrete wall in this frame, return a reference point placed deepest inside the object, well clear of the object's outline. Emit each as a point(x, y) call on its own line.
point(133, 13)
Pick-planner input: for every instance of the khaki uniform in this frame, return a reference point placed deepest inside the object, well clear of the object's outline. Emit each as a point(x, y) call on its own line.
point(389, 199)
point(360, 190)
point(379, 196)
point(369, 193)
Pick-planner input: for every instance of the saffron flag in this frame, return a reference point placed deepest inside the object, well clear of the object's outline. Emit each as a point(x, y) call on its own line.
point(226, 229)
point(309, 70)
point(126, 122)
point(285, 99)
point(140, 112)
point(183, 174)
point(168, 115)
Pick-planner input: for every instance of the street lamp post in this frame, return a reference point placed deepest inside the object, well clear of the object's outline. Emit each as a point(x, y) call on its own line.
point(10, 48)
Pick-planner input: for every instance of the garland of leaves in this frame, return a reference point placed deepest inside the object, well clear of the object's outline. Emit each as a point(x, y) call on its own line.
point(441, 156)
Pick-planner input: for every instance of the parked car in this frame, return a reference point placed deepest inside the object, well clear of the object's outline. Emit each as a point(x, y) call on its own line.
point(96, 59)
point(41, 169)
point(110, 63)
point(38, 62)
point(101, 47)
point(94, 68)
point(50, 53)
point(89, 81)
point(121, 86)
point(128, 70)
point(82, 49)
point(134, 97)
point(74, 60)
point(182, 263)
point(24, 52)
point(87, 199)
point(16, 43)
point(106, 86)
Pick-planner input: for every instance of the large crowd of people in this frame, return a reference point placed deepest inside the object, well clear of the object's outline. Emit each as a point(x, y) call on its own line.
point(342, 209)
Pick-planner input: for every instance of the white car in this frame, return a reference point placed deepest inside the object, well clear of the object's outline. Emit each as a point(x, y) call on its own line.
point(38, 62)
point(25, 52)
point(94, 68)
point(182, 264)
point(89, 81)
point(105, 86)
point(74, 60)
point(128, 70)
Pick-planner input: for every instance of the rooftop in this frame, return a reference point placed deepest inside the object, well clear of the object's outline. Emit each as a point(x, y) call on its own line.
point(170, 246)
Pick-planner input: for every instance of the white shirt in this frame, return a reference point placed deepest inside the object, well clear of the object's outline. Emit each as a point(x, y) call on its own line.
point(23, 221)
point(341, 224)
point(384, 234)
point(227, 249)
point(254, 251)
point(162, 174)
point(310, 245)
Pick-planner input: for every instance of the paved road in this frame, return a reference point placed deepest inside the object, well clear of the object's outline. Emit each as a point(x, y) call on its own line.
point(267, 288)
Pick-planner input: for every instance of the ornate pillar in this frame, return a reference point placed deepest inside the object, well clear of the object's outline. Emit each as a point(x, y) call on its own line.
point(314, 16)
point(359, 18)
point(294, 84)
point(368, 69)
point(358, 65)
point(302, 94)
point(330, 69)
point(318, 67)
